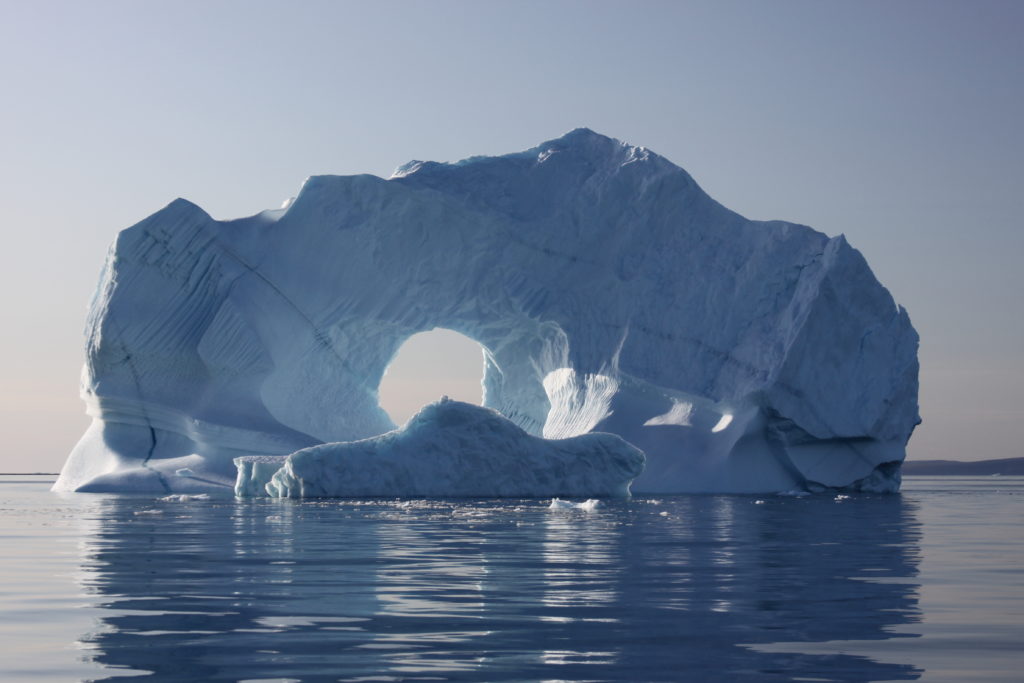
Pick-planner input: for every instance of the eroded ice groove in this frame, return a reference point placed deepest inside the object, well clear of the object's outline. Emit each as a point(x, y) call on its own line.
point(449, 448)
point(610, 294)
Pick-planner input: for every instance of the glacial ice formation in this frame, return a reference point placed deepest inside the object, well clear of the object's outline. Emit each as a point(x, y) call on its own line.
point(449, 448)
point(610, 294)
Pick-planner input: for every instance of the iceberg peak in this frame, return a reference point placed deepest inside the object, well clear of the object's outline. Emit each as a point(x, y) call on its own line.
point(584, 139)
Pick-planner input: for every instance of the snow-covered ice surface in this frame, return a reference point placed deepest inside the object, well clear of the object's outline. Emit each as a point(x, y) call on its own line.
point(610, 294)
point(449, 448)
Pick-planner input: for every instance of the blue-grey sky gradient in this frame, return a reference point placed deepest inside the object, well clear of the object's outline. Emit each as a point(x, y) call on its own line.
point(896, 123)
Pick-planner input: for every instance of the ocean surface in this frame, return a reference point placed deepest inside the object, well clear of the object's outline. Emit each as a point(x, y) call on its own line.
point(924, 585)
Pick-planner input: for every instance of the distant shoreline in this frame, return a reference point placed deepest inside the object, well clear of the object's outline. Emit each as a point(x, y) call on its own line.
point(1004, 466)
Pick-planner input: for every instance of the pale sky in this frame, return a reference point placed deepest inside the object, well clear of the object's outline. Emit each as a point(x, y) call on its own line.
point(896, 123)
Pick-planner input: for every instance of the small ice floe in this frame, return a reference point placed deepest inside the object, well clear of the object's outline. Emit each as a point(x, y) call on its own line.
point(758, 502)
point(185, 497)
point(184, 472)
point(841, 497)
point(793, 493)
point(148, 512)
point(588, 505)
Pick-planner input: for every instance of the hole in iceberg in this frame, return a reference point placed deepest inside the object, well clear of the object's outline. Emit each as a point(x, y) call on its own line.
point(429, 365)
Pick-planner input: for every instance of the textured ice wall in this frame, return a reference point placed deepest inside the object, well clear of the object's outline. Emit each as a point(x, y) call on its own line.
point(609, 292)
point(449, 448)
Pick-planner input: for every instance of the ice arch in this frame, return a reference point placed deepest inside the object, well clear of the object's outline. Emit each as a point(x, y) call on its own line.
point(611, 294)
point(429, 365)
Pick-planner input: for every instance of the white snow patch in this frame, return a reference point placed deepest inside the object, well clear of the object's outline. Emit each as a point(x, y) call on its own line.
point(679, 414)
point(724, 422)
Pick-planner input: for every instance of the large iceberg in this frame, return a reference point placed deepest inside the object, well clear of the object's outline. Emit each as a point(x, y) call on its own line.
point(609, 292)
point(449, 448)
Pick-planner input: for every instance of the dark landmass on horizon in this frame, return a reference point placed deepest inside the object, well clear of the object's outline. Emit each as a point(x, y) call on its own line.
point(1004, 466)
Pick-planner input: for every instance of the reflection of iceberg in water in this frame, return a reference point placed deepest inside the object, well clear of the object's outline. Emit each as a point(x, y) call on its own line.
point(580, 562)
point(686, 587)
point(418, 574)
point(723, 574)
point(222, 590)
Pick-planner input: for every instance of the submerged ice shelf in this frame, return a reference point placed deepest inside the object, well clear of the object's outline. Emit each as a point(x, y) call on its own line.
point(609, 292)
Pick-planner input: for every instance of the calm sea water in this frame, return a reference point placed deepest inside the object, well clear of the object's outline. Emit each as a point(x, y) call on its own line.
point(926, 585)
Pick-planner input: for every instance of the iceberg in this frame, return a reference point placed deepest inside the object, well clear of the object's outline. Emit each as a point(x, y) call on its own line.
point(608, 291)
point(448, 448)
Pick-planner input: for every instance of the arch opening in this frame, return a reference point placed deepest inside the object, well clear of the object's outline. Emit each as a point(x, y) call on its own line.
point(428, 365)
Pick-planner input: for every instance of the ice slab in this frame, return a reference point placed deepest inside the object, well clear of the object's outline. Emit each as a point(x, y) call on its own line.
point(450, 449)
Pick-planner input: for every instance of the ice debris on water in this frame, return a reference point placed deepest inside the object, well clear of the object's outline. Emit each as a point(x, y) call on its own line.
point(185, 497)
point(588, 505)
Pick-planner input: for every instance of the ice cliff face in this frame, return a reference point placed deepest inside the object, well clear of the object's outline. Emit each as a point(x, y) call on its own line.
point(610, 293)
